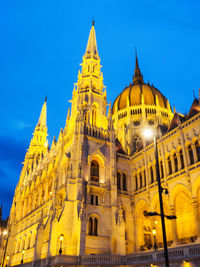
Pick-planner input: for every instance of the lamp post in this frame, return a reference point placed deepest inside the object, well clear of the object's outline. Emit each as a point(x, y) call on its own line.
point(154, 237)
point(148, 133)
point(5, 235)
point(23, 252)
point(7, 260)
point(61, 240)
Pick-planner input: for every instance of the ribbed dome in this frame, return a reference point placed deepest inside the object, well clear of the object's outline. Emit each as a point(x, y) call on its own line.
point(139, 93)
point(133, 95)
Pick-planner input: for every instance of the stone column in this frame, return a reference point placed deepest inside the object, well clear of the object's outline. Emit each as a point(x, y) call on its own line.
point(174, 226)
point(172, 163)
point(121, 233)
point(195, 205)
point(194, 153)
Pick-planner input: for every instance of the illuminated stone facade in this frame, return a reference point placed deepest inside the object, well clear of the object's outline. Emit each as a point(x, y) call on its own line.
point(86, 194)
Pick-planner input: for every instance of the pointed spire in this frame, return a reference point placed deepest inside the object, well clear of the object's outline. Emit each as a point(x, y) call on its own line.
point(137, 74)
point(68, 117)
point(174, 109)
point(92, 43)
point(43, 115)
point(109, 109)
point(38, 144)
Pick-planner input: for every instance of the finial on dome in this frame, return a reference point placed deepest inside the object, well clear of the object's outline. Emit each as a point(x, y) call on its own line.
point(45, 100)
point(137, 74)
point(93, 22)
point(193, 94)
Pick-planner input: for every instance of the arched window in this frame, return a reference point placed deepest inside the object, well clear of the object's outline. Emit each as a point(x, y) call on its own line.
point(124, 214)
point(136, 183)
point(140, 175)
point(94, 171)
point(93, 226)
point(118, 181)
point(124, 182)
point(181, 159)
point(197, 147)
point(86, 117)
point(175, 162)
point(94, 115)
point(144, 174)
point(151, 174)
point(161, 170)
point(169, 165)
point(191, 156)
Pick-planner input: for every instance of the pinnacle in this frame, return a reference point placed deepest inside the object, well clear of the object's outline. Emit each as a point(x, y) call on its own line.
point(137, 74)
point(43, 115)
point(92, 43)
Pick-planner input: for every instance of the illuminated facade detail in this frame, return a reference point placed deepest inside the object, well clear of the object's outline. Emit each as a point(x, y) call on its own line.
point(87, 193)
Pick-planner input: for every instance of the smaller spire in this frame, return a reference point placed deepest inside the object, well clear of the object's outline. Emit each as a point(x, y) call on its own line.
point(92, 42)
point(137, 74)
point(174, 109)
point(193, 93)
point(43, 115)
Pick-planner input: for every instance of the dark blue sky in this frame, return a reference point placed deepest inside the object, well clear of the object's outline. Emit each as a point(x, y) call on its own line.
point(41, 46)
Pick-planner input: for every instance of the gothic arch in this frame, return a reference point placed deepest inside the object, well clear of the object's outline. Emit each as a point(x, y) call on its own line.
point(182, 202)
point(196, 188)
point(156, 221)
point(93, 222)
point(143, 237)
point(99, 157)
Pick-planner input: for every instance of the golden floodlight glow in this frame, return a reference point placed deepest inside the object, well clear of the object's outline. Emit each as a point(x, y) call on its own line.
point(7, 257)
point(23, 251)
point(154, 231)
point(147, 133)
point(61, 238)
point(156, 222)
point(5, 232)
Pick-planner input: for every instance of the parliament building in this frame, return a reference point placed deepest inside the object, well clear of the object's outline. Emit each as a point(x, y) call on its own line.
point(83, 198)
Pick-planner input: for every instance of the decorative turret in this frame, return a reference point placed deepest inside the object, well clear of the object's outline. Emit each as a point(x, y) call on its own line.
point(38, 144)
point(91, 77)
point(89, 96)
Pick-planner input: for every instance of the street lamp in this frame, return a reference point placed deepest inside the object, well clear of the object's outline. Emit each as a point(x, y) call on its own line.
point(5, 232)
point(61, 240)
point(148, 134)
point(154, 237)
point(7, 260)
point(23, 252)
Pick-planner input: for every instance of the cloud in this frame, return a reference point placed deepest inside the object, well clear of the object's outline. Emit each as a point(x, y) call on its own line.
point(19, 125)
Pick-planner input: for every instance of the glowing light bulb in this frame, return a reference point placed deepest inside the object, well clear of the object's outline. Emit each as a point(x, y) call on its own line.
point(5, 232)
point(148, 133)
point(154, 231)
